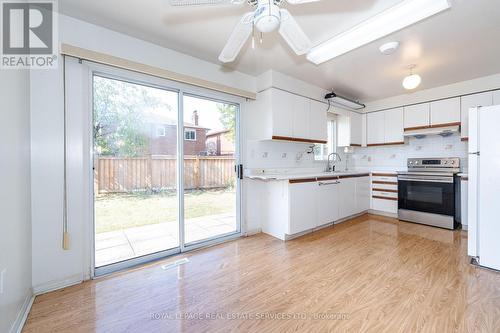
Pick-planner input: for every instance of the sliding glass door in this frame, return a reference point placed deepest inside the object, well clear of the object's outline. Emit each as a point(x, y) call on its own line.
point(135, 173)
point(147, 205)
point(210, 155)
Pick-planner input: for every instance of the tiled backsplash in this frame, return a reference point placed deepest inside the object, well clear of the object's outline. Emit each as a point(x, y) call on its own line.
point(396, 156)
point(275, 154)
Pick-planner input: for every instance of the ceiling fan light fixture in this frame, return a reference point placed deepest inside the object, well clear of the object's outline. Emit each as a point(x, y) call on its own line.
point(267, 17)
point(400, 16)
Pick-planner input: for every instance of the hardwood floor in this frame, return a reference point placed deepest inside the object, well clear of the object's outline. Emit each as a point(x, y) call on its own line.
point(371, 274)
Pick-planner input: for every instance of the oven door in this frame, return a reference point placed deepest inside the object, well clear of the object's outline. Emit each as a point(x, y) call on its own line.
point(429, 194)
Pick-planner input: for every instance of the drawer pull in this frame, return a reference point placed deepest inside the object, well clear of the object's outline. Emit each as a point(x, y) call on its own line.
point(384, 198)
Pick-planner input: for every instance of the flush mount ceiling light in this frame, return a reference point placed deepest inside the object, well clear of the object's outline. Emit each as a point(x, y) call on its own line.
point(413, 80)
point(389, 48)
point(391, 20)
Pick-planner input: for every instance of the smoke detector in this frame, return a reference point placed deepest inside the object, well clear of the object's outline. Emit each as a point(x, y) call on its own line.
point(389, 48)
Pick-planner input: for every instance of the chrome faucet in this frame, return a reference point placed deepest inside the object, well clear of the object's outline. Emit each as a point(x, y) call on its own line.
point(329, 167)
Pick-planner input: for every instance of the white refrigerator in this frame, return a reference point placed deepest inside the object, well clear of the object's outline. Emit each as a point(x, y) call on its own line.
point(484, 186)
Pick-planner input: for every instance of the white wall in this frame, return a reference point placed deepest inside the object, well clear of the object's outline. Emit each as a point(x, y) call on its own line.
point(15, 211)
point(54, 267)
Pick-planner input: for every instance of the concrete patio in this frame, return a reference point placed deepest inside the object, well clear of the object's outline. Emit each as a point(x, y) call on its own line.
point(129, 243)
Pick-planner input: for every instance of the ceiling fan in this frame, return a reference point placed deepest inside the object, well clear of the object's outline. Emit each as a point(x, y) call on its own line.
point(267, 17)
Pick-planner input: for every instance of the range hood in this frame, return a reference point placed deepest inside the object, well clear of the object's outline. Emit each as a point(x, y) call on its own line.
point(430, 130)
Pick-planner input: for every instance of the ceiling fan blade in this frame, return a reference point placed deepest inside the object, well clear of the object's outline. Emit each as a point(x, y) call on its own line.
point(180, 3)
point(293, 33)
point(298, 2)
point(237, 39)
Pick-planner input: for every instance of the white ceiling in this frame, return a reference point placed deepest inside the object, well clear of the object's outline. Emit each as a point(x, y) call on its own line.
point(457, 45)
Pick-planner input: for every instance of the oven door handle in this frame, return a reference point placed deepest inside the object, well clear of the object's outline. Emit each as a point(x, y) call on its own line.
point(427, 180)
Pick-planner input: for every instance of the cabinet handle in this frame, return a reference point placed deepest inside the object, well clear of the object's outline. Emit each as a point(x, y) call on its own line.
point(326, 184)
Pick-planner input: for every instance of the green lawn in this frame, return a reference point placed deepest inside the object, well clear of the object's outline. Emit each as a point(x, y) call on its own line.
point(121, 211)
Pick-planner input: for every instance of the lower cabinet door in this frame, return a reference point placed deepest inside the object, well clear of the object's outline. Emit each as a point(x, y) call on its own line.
point(303, 208)
point(363, 198)
point(347, 197)
point(327, 201)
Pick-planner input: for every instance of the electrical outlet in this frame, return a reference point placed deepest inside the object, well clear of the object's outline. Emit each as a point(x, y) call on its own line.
point(2, 279)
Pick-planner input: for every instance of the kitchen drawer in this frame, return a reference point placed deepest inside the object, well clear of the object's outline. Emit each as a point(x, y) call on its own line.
point(385, 178)
point(385, 205)
point(385, 194)
point(385, 187)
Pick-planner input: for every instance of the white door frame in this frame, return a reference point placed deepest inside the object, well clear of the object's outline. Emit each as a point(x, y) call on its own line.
point(181, 90)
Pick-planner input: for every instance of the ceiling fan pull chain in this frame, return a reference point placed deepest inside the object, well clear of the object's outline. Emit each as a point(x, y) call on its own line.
point(261, 37)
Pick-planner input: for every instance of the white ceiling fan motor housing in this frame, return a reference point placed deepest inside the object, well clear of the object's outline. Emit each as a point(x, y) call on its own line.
point(267, 16)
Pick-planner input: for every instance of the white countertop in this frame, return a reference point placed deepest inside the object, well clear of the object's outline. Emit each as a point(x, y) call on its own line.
point(302, 175)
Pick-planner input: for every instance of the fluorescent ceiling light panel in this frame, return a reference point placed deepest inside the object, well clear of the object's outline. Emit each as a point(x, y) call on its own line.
point(391, 20)
point(344, 102)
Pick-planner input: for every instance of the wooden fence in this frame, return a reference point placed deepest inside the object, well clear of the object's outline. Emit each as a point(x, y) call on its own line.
point(115, 174)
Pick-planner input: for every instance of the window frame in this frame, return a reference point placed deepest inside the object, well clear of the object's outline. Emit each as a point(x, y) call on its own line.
point(164, 133)
point(190, 130)
point(331, 145)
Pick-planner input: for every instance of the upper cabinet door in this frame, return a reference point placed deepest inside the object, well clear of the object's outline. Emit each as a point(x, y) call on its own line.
point(471, 101)
point(393, 122)
point(356, 129)
point(375, 128)
point(416, 116)
point(301, 117)
point(350, 130)
point(446, 111)
point(318, 121)
point(496, 97)
point(282, 108)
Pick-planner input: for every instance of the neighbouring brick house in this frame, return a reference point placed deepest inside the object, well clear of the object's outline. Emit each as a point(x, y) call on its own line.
point(219, 143)
point(163, 134)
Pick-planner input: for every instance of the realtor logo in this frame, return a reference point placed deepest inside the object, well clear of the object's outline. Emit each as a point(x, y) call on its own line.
point(28, 34)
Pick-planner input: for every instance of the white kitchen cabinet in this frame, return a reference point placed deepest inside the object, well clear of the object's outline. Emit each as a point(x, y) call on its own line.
point(318, 121)
point(496, 97)
point(375, 128)
point(446, 111)
point(281, 108)
point(393, 123)
point(363, 198)
point(347, 197)
point(350, 130)
point(416, 116)
point(471, 101)
point(327, 198)
point(285, 208)
point(302, 207)
point(384, 192)
point(384, 127)
point(301, 117)
point(385, 205)
point(280, 115)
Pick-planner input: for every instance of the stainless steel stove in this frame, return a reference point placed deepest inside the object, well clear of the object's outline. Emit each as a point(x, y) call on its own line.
point(429, 192)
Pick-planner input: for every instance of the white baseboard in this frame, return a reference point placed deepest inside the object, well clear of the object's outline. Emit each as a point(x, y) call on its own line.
point(55, 285)
point(253, 232)
point(18, 324)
